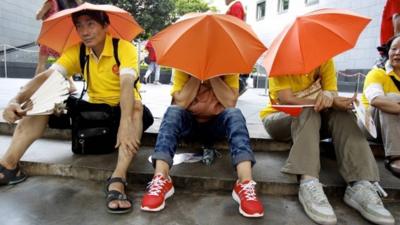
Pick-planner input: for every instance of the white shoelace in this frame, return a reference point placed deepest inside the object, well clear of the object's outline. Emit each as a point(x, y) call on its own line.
point(380, 190)
point(249, 191)
point(370, 193)
point(316, 192)
point(156, 185)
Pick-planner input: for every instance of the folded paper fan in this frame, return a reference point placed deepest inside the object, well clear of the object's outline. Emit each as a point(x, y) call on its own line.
point(293, 110)
point(51, 94)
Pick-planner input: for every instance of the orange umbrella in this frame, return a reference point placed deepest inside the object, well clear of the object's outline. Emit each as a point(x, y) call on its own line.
point(58, 31)
point(208, 45)
point(313, 39)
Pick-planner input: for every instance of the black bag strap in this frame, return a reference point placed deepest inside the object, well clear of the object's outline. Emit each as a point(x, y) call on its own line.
point(396, 82)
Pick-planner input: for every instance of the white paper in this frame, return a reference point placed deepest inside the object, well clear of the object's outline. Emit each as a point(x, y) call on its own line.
point(184, 158)
point(53, 91)
point(366, 119)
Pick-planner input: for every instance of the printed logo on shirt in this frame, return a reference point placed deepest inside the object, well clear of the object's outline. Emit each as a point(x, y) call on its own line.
point(115, 69)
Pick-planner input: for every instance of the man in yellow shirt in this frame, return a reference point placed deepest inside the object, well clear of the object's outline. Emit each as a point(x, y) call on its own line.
point(108, 84)
point(330, 117)
point(207, 110)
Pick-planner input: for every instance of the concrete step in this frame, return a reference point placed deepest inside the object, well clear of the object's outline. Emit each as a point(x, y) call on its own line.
point(63, 201)
point(54, 157)
point(259, 138)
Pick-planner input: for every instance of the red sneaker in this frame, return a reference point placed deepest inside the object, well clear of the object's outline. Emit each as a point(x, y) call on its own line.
point(245, 194)
point(158, 190)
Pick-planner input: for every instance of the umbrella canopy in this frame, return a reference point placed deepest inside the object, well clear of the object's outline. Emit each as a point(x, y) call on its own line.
point(208, 45)
point(387, 30)
point(312, 39)
point(58, 31)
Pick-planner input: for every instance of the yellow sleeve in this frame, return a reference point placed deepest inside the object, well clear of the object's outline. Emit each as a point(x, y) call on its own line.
point(180, 79)
point(279, 83)
point(232, 80)
point(69, 61)
point(374, 76)
point(328, 76)
point(127, 54)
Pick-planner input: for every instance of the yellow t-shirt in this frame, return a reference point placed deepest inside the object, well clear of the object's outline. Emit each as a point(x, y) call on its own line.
point(180, 79)
point(104, 82)
point(299, 82)
point(378, 82)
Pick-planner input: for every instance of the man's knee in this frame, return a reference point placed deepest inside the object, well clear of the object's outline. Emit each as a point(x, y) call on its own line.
point(309, 114)
point(31, 127)
point(233, 112)
point(174, 114)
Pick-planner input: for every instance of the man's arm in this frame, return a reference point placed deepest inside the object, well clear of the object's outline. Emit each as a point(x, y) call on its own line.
point(130, 126)
point(324, 99)
point(42, 11)
point(13, 111)
point(184, 97)
point(226, 95)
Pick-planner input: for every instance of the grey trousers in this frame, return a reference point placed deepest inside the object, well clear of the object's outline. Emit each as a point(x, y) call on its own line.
point(354, 157)
point(388, 128)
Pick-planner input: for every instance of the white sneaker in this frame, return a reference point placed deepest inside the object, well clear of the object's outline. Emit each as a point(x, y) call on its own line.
point(315, 203)
point(363, 197)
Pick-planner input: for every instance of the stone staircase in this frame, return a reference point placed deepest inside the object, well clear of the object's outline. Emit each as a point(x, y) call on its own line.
point(52, 156)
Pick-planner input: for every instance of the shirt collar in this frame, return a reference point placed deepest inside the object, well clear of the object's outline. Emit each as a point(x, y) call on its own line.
point(388, 68)
point(107, 50)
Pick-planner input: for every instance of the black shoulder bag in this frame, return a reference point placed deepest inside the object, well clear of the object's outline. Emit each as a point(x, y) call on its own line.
point(95, 126)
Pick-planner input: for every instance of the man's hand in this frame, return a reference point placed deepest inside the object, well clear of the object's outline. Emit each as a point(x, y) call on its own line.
point(14, 112)
point(127, 139)
point(343, 103)
point(323, 101)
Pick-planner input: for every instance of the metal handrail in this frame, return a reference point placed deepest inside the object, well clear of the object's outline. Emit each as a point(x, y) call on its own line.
point(11, 49)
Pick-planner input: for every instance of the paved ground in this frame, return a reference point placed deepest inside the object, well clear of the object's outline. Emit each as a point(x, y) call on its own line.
point(61, 201)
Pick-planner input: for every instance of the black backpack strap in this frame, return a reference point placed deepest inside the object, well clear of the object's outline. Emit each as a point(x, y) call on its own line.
point(82, 57)
point(115, 42)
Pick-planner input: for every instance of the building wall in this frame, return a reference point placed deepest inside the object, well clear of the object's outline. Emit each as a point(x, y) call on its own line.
point(363, 56)
point(18, 25)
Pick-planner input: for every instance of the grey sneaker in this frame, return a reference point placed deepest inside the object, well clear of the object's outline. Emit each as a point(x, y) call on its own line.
point(315, 203)
point(363, 196)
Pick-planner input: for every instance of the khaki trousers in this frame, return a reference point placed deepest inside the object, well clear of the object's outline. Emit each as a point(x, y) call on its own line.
point(388, 128)
point(354, 157)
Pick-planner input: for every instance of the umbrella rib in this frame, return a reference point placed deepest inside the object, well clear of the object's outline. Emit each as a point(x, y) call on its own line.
point(56, 24)
point(115, 30)
point(179, 37)
point(66, 39)
point(330, 31)
point(118, 15)
point(241, 55)
point(301, 47)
